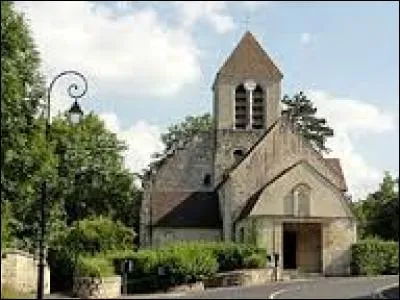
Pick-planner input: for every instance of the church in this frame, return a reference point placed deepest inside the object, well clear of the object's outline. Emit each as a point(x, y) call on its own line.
point(253, 178)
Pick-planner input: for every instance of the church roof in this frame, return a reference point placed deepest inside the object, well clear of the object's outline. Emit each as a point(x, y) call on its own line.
point(335, 164)
point(249, 59)
point(186, 209)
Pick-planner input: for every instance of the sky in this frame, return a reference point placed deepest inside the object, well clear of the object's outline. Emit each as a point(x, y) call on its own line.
point(151, 63)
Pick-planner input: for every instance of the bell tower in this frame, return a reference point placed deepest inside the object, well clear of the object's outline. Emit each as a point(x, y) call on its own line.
point(246, 101)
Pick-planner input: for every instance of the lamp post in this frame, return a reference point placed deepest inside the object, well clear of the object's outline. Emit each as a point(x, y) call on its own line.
point(75, 114)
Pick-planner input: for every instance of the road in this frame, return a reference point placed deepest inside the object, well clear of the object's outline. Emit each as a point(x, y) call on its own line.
point(321, 288)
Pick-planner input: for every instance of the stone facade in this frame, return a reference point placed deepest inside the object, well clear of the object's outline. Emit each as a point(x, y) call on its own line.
point(263, 179)
point(182, 171)
point(19, 270)
point(97, 288)
point(243, 277)
point(338, 236)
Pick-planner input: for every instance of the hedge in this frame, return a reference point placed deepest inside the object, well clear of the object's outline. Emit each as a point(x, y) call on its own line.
point(375, 257)
point(174, 264)
point(185, 262)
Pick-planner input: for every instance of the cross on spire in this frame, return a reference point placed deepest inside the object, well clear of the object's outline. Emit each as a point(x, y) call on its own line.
point(246, 22)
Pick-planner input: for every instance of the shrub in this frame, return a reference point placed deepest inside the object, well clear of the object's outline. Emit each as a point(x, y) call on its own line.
point(254, 261)
point(94, 266)
point(184, 262)
point(374, 256)
point(99, 234)
point(93, 236)
point(231, 256)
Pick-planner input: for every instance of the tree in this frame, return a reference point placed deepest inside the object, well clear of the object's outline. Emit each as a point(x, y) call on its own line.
point(181, 133)
point(24, 160)
point(92, 179)
point(378, 214)
point(302, 113)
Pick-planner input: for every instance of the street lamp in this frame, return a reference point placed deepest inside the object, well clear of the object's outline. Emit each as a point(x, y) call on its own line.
point(75, 113)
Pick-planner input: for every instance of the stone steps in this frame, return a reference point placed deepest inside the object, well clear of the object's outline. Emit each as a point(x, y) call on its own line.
point(295, 274)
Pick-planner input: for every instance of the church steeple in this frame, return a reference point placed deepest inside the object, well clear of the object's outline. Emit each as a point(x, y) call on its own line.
point(249, 59)
point(246, 100)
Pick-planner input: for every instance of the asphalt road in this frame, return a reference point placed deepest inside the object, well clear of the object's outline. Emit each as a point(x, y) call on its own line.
point(321, 288)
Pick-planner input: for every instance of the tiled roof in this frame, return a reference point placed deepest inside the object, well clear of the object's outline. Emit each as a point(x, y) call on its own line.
point(186, 209)
point(249, 59)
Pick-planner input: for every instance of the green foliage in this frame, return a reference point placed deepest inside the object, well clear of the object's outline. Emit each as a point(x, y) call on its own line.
point(96, 236)
point(302, 113)
point(184, 131)
point(94, 266)
point(92, 177)
point(231, 256)
point(378, 214)
point(374, 256)
point(254, 261)
point(6, 237)
point(185, 262)
point(99, 234)
point(24, 158)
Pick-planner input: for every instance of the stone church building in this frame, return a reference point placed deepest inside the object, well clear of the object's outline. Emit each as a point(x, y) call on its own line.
point(253, 178)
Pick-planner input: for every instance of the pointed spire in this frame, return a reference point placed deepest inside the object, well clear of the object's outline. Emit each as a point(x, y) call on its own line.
point(249, 59)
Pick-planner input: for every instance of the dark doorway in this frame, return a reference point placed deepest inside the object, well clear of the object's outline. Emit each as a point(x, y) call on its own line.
point(289, 249)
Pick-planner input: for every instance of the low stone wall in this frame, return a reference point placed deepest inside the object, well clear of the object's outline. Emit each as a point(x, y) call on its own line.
point(97, 288)
point(190, 287)
point(243, 277)
point(19, 270)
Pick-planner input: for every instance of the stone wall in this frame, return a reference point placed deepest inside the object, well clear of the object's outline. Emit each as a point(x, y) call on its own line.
point(279, 150)
point(97, 288)
point(19, 270)
point(229, 140)
point(182, 171)
point(187, 288)
point(338, 236)
point(162, 235)
point(325, 200)
point(245, 277)
point(224, 99)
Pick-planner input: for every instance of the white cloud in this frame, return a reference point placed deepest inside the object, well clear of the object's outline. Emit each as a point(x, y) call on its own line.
point(253, 5)
point(214, 12)
point(350, 118)
point(306, 38)
point(143, 140)
point(134, 54)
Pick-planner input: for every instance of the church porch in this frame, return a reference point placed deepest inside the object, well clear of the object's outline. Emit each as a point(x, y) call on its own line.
point(306, 245)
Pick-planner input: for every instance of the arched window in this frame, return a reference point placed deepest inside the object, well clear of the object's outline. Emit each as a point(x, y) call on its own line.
point(301, 198)
point(258, 110)
point(298, 201)
point(241, 107)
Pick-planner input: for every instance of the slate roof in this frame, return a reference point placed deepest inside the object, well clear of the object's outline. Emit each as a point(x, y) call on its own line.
point(186, 209)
